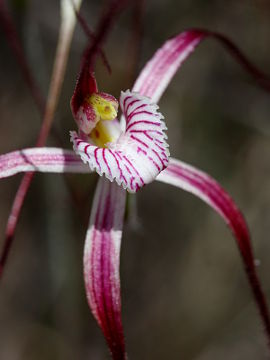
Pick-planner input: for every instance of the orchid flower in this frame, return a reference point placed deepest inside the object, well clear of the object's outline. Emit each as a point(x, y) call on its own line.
point(130, 153)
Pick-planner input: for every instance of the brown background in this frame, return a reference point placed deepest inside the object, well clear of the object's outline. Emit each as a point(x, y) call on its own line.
point(185, 295)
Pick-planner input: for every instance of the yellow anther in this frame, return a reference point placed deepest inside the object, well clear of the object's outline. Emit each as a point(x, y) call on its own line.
point(106, 109)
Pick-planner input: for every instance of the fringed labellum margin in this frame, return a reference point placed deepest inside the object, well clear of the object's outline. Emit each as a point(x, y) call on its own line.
point(138, 154)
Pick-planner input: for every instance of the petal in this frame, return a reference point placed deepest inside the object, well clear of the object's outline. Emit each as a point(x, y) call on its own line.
point(158, 72)
point(101, 263)
point(160, 69)
point(53, 160)
point(203, 186)
point(139, 154)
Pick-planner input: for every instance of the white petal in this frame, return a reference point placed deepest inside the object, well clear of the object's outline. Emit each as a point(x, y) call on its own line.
point(101, 263)
point(41, 159)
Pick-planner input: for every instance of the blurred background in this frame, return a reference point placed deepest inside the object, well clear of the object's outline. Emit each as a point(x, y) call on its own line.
point(185, 295)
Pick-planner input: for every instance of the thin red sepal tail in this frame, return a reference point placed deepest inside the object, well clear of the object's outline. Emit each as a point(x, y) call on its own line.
point(207, 189)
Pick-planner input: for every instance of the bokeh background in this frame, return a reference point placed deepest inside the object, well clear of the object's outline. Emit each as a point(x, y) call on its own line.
point(185, 295)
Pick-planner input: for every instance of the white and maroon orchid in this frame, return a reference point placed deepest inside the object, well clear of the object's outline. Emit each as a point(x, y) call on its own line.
point(133, 157)
point(130, 153)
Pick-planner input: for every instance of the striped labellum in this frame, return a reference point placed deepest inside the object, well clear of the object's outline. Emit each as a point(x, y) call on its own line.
point(137, 154)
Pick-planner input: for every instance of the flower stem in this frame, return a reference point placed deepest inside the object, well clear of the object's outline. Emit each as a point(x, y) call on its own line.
point(12, 37)
point(260, 77)
point(68, 20)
